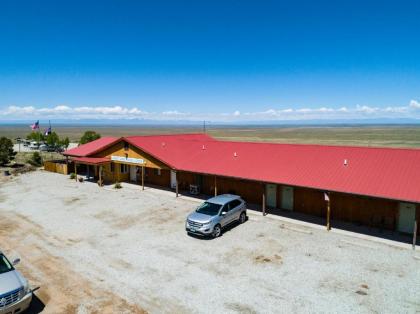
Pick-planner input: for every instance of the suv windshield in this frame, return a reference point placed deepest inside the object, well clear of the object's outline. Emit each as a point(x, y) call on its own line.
point(5, 265)
point(210, 209)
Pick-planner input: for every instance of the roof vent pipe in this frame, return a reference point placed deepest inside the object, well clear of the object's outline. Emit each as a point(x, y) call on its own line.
point(345, 162)
point(235, 154)
point(204, 147)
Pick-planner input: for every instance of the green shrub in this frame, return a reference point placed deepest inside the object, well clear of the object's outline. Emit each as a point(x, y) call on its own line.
point(72, 176)
point(89, 136)
point(117, 185)
point(6, 151)
point(35, 160)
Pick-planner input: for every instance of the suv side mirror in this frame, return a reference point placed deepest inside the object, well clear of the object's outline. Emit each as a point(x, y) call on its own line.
point(223, 213)
point(16, 261)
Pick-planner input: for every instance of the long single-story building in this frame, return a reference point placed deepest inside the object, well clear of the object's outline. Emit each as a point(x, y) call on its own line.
point(378, 187)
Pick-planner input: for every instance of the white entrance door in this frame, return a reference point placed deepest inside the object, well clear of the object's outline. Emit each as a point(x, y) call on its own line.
point(271, 190)
point(133, 173)
point(407, 215)
point(287, 197)
point(173, 179)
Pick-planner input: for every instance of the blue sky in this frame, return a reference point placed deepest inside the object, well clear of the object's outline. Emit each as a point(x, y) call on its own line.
point(214, 60)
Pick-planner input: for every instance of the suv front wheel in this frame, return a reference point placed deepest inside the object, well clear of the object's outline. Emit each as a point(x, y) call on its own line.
point(217, 231)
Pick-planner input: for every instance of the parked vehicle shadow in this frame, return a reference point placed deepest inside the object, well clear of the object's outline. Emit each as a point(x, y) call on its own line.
point(37, 306)
point(225, 230)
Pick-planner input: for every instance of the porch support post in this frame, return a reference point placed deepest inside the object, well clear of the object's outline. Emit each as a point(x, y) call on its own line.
point(118, 168)
point(142, 178)
point(327, 198)
point(263, 200)
point(100, 175)
point(176, 183)
point(215, 186)
point(415, 234)
point(75, 171)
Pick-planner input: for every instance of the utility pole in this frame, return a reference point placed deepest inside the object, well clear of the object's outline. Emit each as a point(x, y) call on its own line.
point(204, 126)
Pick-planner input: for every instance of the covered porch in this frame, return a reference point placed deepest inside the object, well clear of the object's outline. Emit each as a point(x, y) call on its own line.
point(93, 168)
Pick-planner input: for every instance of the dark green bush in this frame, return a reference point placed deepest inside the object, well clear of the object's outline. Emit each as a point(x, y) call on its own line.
point(35, 160)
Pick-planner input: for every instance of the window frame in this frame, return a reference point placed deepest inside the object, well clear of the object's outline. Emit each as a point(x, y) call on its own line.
point(124, 168)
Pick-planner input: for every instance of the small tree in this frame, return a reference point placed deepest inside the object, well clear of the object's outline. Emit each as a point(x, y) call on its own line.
point(36, 159)
point(36, 136)
point(89, 136)
point(52, 139)
point(6, 151)
point(65, 143)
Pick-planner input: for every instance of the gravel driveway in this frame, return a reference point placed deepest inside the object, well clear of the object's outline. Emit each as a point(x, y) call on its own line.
point(127, 251)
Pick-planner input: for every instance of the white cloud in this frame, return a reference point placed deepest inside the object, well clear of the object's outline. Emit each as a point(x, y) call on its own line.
point(120, 112)
point(366, 109)
point(414, 104)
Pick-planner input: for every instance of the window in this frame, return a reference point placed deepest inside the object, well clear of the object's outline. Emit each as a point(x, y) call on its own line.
point(157, 172)
point(5, 265)
point(126, 146)
point(234, 204)
point(112, 167)
point(124, 168)
point(208, 209)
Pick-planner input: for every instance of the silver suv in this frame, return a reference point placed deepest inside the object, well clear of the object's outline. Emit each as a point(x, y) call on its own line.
point(15, 294)
point(216, 213)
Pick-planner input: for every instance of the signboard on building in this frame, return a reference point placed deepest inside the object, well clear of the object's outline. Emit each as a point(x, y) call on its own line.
point(128, 160)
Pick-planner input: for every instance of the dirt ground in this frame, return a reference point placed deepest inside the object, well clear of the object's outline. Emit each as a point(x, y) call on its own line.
point(100, 250)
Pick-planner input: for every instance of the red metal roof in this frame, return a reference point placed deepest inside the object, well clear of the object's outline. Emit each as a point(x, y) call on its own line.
point(91, 147)
point(390, 173)
point(92, 160)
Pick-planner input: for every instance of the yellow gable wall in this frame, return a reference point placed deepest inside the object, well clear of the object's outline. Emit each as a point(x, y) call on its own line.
point(132, 152)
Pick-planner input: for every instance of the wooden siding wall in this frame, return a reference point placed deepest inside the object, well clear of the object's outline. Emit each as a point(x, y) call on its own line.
point(151, 177)
point(363, 210)
point(250, 191)
point(344, 207)
point(56, 166)
point(308, 201)
point(108, 175)
point(185, 179)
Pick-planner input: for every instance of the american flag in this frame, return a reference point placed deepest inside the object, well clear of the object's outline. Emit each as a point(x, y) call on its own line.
point(35, 125)
point(48, 131)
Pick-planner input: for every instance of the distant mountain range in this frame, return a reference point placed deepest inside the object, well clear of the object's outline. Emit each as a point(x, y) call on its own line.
point(274, 123)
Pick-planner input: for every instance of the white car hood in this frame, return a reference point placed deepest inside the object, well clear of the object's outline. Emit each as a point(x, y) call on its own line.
point(10, 281)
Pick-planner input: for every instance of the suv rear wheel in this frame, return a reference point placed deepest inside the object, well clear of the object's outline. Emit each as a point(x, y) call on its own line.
point(217, 231)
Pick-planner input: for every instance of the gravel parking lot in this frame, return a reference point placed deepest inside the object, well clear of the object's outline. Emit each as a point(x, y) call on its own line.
point(126, 251)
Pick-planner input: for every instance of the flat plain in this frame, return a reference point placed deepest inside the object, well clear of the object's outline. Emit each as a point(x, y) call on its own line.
point(359, 135)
